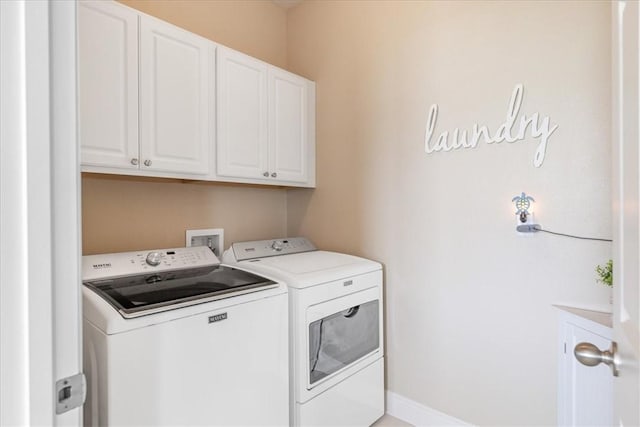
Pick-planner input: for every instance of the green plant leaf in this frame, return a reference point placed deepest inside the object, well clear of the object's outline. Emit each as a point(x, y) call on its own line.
point(605, 274)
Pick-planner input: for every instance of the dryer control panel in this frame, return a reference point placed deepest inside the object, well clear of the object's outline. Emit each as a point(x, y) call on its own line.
point(242, 251)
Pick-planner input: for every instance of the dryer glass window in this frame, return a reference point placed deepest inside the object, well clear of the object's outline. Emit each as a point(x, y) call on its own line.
point(342, 338)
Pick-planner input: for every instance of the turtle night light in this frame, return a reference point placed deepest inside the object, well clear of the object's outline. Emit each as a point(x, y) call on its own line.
point(523, 203)
point(524, 213)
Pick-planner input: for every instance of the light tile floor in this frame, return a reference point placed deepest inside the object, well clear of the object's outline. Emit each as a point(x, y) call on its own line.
point(389, 421)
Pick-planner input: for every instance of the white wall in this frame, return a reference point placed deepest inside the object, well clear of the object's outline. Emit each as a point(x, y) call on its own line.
point(470, 327)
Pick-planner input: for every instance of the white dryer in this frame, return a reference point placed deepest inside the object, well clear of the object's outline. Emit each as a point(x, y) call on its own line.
point(335, 329)
point(173, 338)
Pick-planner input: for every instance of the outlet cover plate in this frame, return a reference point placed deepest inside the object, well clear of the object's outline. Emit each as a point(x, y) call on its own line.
point(530, 221)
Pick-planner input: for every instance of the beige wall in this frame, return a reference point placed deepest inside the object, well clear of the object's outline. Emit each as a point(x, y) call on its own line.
point(126, 213)
point(255, 27)
point(470, 327)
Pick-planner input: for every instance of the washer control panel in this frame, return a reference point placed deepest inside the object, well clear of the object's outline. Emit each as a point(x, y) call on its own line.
point(106, 266)
point(265, 248)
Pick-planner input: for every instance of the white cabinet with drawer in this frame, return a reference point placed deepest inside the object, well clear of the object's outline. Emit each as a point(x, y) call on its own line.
point(146, 94)
point(265, 126)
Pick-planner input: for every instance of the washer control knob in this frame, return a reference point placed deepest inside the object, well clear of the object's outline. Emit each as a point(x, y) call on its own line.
point(277, 245)
point(154, 258)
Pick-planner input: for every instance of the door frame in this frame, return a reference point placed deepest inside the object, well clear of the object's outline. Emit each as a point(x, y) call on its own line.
point(40, 305)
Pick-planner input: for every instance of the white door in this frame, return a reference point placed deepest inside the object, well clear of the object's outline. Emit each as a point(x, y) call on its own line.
point(39, 216)
point(108, 84)
point(288, 126)
point(626, 185)
point(242, 116)
point(626, 215)
point(175, 90)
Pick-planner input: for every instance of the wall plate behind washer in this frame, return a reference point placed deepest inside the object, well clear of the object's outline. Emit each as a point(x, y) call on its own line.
point(211, 237)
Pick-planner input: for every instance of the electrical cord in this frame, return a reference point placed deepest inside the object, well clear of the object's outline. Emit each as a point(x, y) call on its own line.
point(536, 227)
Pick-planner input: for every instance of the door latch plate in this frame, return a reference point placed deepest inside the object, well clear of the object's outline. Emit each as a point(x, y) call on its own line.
point(70, 393)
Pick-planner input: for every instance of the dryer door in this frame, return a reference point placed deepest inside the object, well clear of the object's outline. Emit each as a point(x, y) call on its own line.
point(340, 333)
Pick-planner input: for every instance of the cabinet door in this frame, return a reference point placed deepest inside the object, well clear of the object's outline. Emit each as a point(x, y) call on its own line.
point(588, 391)
point(174, 98)
point(288, 126)
point(108, 84)
point(242, 116)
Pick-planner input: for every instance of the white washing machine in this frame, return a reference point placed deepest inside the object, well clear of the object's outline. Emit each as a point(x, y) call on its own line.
point(171, 337)
point(335, 329)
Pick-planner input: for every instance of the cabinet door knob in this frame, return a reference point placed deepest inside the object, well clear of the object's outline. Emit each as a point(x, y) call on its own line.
point(266, 174)
point(134, 162)
point(147, 162)
point(273, 175)
point(590, 355)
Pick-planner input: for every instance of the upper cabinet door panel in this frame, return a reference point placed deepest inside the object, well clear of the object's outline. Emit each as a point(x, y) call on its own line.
point(157, 100)
point(108, 84)
point(175, 92)
point(242, 115)
point(288, 126)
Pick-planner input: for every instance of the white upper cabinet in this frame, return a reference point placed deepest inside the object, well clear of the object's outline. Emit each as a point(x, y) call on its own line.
point(175, 73)
point(288, 126)
point(242, 116)
point(146, 91)
point(157, 100)
point(108, 84)
point(265, 123)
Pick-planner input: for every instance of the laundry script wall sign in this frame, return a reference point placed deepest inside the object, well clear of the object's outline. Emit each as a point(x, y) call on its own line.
point(538, 129)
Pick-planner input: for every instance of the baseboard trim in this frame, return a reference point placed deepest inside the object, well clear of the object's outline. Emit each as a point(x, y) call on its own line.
point(418, 414)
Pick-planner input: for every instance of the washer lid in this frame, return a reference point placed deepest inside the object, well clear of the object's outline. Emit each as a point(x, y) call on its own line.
point(311, 268)
point(144, 294)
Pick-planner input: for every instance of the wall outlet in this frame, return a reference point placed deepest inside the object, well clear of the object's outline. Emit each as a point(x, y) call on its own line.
point(530, 219)
point(212, 237)
point(530, 223)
